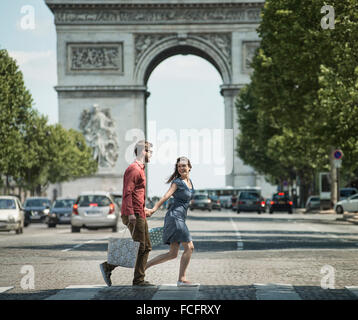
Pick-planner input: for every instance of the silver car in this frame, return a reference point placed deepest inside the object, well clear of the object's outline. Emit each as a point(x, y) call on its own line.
point(350, 204)
point(95, 210)
point(11, 214)
point(313, 203)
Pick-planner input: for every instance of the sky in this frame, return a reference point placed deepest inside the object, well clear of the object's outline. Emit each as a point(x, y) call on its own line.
point(187, 86)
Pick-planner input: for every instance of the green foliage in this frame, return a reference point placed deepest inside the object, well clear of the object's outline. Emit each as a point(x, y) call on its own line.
point(302, 99)
point(33, 152)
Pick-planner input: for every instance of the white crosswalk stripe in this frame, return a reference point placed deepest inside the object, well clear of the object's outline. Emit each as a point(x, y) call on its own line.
point(172, 292)
point(77, 292)
point(353, 289)
point(273, 291)
point(4, 289)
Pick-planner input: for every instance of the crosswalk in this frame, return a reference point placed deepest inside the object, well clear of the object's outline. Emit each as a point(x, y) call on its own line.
point(268, 291)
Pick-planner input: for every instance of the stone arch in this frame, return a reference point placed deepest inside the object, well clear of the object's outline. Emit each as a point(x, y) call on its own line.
point(158, 50)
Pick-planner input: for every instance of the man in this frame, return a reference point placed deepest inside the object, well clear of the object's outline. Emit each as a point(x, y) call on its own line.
point(133, 214)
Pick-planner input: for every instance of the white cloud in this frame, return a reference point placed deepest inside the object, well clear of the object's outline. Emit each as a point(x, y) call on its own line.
point(24, 57)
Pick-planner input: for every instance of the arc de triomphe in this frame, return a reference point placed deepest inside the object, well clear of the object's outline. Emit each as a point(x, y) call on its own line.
point(106, 51)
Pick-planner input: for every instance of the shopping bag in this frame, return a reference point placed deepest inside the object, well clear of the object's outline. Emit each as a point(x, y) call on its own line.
point(122, 252)
point(156, 236)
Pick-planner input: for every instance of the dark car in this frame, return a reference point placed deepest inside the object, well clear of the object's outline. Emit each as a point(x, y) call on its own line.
point(60, 212)
point(263, 204)
point(216, 204)
point(345, 193)
point(36, 209)
point(201, 201)
point(249, 201)
point(281, 202)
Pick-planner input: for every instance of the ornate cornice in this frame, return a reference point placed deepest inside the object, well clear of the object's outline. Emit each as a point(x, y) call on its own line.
point(72, 13)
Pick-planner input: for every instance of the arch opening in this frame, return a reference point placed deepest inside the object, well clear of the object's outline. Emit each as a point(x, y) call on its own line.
point(185, 100)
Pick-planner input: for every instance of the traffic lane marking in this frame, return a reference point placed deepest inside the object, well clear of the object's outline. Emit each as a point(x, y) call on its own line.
point(77, 246)
point(90, 241)
point(239, 243)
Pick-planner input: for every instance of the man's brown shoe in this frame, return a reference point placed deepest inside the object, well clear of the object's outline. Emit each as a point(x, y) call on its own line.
point(106, 273)
point(144, 284)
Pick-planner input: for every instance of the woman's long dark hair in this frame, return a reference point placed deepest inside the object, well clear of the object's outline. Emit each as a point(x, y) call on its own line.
point(176, 173)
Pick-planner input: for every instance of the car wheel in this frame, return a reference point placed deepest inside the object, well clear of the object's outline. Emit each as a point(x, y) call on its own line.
point(115, 229)
point(271, 212)
point(238, 211)
point(290, 212)
point(339, 210)
point(75, 229)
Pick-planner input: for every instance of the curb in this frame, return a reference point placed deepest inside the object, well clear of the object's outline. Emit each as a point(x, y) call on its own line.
point(352, 218)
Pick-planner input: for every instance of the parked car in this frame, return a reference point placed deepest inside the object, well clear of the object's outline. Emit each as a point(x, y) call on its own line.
point(216, 205)
point(234, 202)
point(60, 212)
point(249, 201)
point(201, 201)
point(93, 211)
point(345, 193)
point(117, 197)
point(313, 203)
point(350, 204)
point(225, 201)
point(12, 215)
point(281, 202)
point(263, 204)
point(36, 209)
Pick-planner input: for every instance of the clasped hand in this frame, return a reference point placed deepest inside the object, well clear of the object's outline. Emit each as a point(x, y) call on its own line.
point(148, 212)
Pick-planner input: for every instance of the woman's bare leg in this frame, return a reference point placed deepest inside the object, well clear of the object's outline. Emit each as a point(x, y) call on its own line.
point(172, 254)
point(185, 258)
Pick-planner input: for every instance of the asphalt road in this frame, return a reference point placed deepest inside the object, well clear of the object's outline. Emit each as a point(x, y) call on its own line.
point(236, 256)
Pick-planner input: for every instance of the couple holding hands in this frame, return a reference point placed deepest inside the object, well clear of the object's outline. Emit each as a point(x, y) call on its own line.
point(134, 214)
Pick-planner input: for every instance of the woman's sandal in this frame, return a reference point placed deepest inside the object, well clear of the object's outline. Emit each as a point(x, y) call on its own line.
point(187, 284)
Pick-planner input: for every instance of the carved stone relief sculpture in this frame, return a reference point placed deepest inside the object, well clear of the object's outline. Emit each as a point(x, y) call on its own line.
point(249, 49)
point(99, 131)
point(87, 57)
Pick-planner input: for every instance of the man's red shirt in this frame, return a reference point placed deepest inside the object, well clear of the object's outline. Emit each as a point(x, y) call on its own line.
point(134, 182)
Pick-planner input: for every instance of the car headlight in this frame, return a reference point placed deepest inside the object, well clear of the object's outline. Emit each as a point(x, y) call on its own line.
point(11, 219)
point(46, 211)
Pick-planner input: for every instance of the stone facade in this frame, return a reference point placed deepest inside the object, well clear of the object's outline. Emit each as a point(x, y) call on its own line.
point(107, 49)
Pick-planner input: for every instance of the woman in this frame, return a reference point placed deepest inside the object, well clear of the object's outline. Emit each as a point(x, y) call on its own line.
point(175, 230)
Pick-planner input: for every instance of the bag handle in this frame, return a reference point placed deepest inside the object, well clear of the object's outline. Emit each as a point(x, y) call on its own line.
point(127, 225)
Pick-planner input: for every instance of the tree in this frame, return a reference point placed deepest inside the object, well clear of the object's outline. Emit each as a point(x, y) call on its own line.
point(302, 82)
point(32, 152)
point(71, 157)
point(15, 106)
